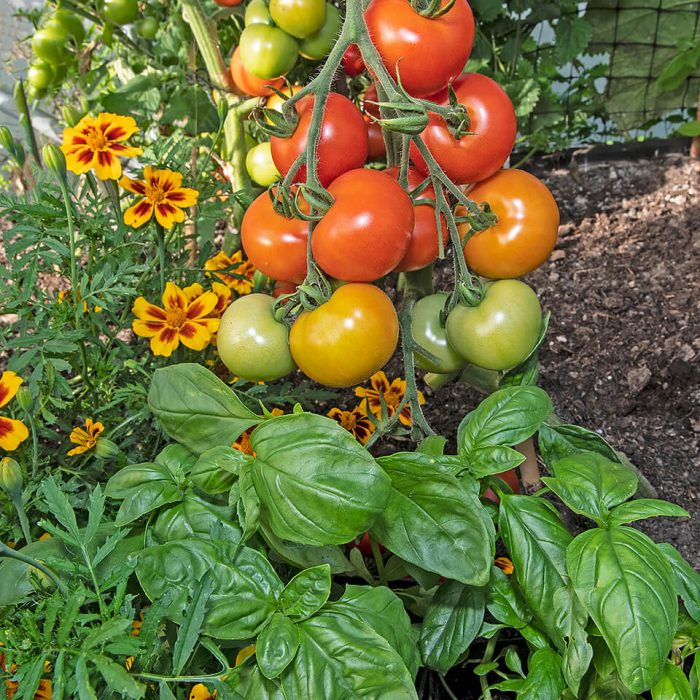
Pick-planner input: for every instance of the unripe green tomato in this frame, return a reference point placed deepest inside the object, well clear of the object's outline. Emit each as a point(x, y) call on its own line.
point(71, 23)
point(300, 18)
point(252, 343)
point(502, 330)
point(429, 334)
point(50, 43)
point(257, 12)
point(147, 28)
point(40, 75)
point(319, 45)
point(267, 52)
point(34, 95)
point(121, 12)
point(260, 166)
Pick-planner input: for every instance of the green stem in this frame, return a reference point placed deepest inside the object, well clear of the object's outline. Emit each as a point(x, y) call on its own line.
point(24, 523)
point(160, 236)
point(35, 444)
point(5, 551)
point(488, 656)
point(376, 553)
point(88, 562)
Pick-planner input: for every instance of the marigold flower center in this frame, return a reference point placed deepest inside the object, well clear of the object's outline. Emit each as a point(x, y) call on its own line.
point(348, 421)
point(155, 193)
point(96, 139)
point(392, 398)
point(175, 317)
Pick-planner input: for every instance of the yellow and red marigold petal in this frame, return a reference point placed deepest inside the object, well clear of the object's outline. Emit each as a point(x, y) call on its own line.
point(132, 185)
point(80, 449)
point(138, 214)
point(12, 433)
point(195, 335)
point(223, 293)
point(80, 160)
point(169, 179)
point(193, 291)
point(9, 384)
point(107, 166)
point(168, 214)
point(147, 329)
point(370, 397)
point(165, 342)
point(202, 306)
point(147, 311)
point(116, 127)
point(182, 197)
point(380, 382)
point(405, 415)
point(94, 428)
point(174, 298)
point(124, 151)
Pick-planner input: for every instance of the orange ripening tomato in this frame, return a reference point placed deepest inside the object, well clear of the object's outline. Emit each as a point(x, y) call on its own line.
point(248, 83)
point(526, 231)
point(493, 129)
point(511, 478)
point(429, 52)
point(274, 244)
point(423, 246)
point(347, 339)
point(365, 233)
point(343, 142)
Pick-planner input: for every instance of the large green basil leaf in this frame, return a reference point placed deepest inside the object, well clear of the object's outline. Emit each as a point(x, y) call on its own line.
point(276, 645)
point(129, 480)
point(433, 522)
point(316, 483)
point(505, 602)
point(177, 459)
point(544, 677)
point(687, 579)
point(642, 508)
point(590, 484)
point(627, 587)
point(305, 556)
point(342, 658)
point(536, 540)
point(216, 470)
point(382, 610)
point(506, 417)
point(454, 618)
point(306, 593)
point(255, 686)
point(571, 619)
point(673, 685)
point(557, 441)
point(145, 499)
point(196, 408)
point(245, 589)
point(195, 516)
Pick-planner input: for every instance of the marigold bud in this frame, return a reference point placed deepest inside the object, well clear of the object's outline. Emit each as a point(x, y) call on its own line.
point(55, 160)
point(24, 399)
point(6, 139)
point(106, 449)
point(11, 479)
point(71, 115)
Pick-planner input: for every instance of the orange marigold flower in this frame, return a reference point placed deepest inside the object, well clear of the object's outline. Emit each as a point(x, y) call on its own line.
point(190, 322)
point(505, 565)
point(238, 273)
point(161, 192)
point(242, 444)
point(201, 692)
point(12, 432)
point(392, 392)
point(85, 439)
point(355, 422)
point(95, 143)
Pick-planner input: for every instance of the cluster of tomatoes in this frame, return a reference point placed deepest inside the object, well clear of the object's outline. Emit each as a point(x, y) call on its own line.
point(375, 227)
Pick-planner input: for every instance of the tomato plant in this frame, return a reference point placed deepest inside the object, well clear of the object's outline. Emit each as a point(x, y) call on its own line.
point(342, 144)
point(317, 45)
point(347, 339)
point(251, 343)
point(147, 28)
point(257, 12)
point(492, 129)
point(366, 232)
point(228, 3)
point(352, 61)
point(50, 43)
point(501, 331)
point(526, 231)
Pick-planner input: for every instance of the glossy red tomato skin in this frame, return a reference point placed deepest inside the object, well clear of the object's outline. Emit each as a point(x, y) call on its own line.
point(430, 52)
point(352, 61)
point(349, 338)
point(250, 84)
point(274, 244)
point(376, 148)
point(228, 3)
point(423, 247)
point(342, 146)
point(365, 233)
point(511, 478)
point(479, 155)
point(526, 231)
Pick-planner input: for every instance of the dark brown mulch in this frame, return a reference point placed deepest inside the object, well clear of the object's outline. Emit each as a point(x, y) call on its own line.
point(623, 346)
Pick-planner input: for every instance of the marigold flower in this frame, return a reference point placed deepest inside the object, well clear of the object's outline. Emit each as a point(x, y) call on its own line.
point(201, 692)
point(161, 191)
point(95, 142)
point(504, 564)
point(239, 273)
point(12, 432)
point(393, 394)
point(191, 322)
point(85, 439)
point(63, 293)
point(222, 292)
point(242, 444)
point(355, 422)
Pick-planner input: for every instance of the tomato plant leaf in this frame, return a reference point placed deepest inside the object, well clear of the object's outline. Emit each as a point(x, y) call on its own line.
point(196, 408)
point(317, 485)
point(536, 540)
point(572, 37)
point(627, 587)
point(277, 645)
point(306, 593)
point(451, 624)
point(642, 508)
point(433, 522)
point(686, 577)
point(673, 684)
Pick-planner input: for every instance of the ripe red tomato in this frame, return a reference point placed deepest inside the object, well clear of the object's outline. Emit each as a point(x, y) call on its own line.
point(347, 339)
point(248, 83)
point(430, 52)
point(376, 148)
point(423, 246)
point(480, 154)
point(365, 546)
point(369, 100)
point(526, 231)
point(343, 142)
point(365, 233)
point(228, 3)
point(352, 61)
point(274, 244)
point(511, 478)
